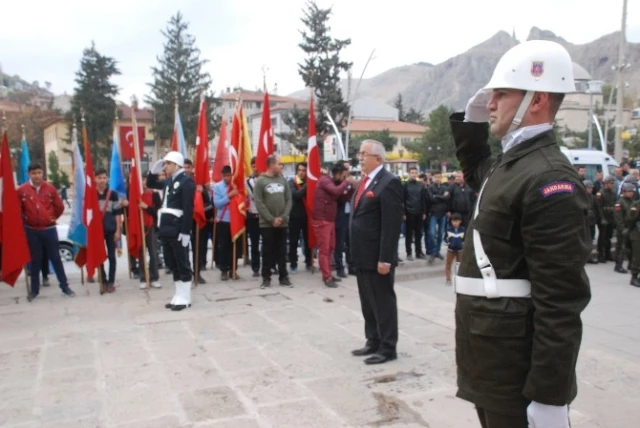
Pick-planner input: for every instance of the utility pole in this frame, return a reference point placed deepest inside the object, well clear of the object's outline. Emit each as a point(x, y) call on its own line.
point(352, 100)
point(620, 95)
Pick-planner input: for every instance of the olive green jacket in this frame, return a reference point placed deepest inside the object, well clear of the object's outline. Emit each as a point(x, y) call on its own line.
point(533, 225)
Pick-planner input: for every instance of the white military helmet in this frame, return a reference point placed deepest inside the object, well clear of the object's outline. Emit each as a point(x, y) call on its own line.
point(175, 157)
point(535, 65)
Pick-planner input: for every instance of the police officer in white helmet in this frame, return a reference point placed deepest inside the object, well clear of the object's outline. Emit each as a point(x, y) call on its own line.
point(175, 220)
point(521, 285)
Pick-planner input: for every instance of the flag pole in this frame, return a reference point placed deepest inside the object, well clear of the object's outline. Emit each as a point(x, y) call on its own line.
point(235, 262)
point(136, 154)
point(215, 231)
point(126, 220)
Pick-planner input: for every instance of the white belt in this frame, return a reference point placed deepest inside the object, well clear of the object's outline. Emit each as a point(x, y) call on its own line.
point(503, 287)
point(173, 211)
point(489, 285)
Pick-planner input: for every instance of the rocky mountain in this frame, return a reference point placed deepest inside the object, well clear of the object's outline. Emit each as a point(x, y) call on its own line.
point(452, 82)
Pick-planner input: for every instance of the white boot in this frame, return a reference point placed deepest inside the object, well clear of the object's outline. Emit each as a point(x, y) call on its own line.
point(183, 299)
point(174, 299)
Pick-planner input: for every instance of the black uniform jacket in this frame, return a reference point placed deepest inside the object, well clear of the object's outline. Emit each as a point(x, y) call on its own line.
point(533, 225)
point(179, 194)
point(375, 223)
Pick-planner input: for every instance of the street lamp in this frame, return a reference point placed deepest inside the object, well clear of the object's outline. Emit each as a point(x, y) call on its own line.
point(595, 87)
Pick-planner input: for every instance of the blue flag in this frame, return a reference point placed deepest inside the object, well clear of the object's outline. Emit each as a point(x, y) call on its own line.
point(25, 160)
point(77, 230)
point(116, 180)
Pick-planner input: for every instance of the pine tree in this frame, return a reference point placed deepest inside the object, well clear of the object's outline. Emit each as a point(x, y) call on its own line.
point(400, 106)
point(180, 73)
point(95, 95)
point(322, 67)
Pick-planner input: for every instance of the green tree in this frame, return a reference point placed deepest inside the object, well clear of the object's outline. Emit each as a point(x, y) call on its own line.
point(414, 116)
point(180, 74)
point(56, 177)
point(437, 142)
point(95, 95)
point(400, 106)
point(322, 66)
point(384, 136)
point(298, 121)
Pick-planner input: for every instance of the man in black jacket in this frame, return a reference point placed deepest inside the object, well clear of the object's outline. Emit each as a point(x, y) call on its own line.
point(461, 198)
point(204, 232)
point(414, 212)
point(437, 216)
point(298, 218)
point(342, 229)
point(374, 232)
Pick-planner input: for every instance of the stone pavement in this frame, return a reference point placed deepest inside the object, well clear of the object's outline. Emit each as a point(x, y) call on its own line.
point(243, 357)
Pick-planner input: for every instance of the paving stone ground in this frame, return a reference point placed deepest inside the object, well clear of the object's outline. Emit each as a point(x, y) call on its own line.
point(242, 357)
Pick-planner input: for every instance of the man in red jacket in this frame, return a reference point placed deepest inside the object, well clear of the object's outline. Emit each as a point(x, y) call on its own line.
point(325, 208)
point(41, 206)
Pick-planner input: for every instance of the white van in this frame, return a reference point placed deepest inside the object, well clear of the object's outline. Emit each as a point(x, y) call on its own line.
point(593, 160)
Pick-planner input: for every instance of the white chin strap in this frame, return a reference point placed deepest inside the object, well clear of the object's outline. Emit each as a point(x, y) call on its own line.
point(524, 106)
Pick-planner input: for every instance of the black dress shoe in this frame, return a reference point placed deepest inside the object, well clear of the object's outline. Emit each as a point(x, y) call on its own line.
point(179, 307)
point(168, 306)
point(367, 350)
point(380, 358)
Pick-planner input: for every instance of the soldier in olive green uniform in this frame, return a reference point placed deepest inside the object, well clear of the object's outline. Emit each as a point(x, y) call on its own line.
point(521, 285)
point(622, 211)
point(633, 224)
point(594, 215)
point(606, 198)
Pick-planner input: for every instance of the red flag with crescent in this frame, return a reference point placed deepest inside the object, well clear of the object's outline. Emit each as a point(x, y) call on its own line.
point(126, 141)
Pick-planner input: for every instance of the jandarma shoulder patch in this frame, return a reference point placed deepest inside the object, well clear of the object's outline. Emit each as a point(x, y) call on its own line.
point(557, 187)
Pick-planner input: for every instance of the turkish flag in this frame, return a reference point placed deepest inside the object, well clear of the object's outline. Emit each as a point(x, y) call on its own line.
point(91, 216)
point(201, 165)
point(313, 170)
point(237, 215)
point(126, 141)
point(16, 249)
point(222, 153)
point(265, 143)
point(237, 212)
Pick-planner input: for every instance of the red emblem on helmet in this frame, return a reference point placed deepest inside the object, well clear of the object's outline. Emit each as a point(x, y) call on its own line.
point(537, 69)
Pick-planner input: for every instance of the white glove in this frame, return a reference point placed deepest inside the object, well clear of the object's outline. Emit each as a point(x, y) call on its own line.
point(476, 110)
point(184, 239)
point(547, 416)
point(157, 167)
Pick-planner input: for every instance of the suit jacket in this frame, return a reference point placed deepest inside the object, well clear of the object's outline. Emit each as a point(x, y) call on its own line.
point(375, 223)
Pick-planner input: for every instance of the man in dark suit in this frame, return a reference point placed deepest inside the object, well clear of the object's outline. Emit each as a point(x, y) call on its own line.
point(374, 232)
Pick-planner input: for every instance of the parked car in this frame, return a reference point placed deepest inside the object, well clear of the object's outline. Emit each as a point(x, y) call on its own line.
point(66, 246)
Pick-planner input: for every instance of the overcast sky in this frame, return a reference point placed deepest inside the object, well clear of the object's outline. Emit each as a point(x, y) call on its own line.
point(43, 40)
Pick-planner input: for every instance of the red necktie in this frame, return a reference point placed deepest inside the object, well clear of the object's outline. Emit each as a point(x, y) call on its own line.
point(363, 186)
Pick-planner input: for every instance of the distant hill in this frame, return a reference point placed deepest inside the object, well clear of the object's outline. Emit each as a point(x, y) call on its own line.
point(424, 86)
